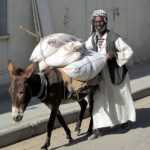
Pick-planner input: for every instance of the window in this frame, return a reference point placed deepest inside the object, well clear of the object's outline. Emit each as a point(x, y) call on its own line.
point(3, 17)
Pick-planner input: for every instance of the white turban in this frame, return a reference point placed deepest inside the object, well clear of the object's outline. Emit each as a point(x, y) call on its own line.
point(96, 13)
point(99, 13)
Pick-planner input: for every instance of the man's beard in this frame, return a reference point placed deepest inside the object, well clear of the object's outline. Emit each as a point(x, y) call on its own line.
point(102, 29)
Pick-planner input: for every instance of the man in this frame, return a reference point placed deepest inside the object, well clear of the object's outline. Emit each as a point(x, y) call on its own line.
point(113, 101)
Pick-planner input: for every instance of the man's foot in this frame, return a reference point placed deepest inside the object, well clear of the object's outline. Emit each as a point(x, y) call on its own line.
point(125, 127)
point(95, 135)
point(89, 133)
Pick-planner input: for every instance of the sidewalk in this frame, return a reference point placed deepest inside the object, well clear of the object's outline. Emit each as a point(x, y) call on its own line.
point(37, 114)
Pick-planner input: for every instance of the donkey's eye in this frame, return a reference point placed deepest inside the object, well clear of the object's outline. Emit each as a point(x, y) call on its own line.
point(21, 92)
point(9, 89)
point(25, 84)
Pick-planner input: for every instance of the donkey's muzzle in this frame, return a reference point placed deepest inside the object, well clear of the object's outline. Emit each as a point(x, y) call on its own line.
point(17, 118)
point(16, 115)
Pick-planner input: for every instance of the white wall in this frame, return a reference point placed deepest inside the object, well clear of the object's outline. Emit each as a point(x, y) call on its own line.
point(133, 22)
point(3, 59)
point(73, 17)
point(69, 16)
point(20, 43)
point(139, 28)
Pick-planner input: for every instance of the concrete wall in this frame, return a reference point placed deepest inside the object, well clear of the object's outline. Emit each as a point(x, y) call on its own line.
point(69, 16)
point(132, 21)
point(73, 17)
point(139, 28)
point(18, 45)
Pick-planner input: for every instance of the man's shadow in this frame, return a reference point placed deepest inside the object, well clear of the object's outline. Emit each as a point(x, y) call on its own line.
point(142, 121)
point(142, 118)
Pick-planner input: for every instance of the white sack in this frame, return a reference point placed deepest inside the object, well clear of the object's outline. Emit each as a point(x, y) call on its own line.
point(58, 60)
point(88, 67)
point(50, 44)
point(65, 55)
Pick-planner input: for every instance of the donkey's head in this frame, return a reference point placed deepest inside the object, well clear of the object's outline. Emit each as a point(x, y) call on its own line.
point(19, 89)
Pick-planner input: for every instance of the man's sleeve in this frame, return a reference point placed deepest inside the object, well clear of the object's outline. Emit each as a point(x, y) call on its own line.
point(124, 52)
point(88, 44)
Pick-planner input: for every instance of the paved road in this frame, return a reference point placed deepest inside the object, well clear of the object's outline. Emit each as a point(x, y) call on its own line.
point(37, 114)
point(138, 138)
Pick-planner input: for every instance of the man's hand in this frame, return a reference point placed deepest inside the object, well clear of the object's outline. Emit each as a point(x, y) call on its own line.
point(110, 55)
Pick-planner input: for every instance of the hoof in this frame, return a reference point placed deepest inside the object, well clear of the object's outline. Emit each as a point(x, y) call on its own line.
point(78, 131)
point(68, 137)
point(70, 140)
point(95, 135)
point(45, 146)
point(89, 133)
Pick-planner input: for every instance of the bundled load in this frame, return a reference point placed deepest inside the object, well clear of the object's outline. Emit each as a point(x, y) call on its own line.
point(65, 55)
point(67, 52)
point(87, 67)
point(50, 44)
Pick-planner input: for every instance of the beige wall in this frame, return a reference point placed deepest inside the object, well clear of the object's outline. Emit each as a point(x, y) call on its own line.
point(20, 43)
point(3, 59)
point(139, 28)
point(73, 17)
point(133, 22)
point(69, 16)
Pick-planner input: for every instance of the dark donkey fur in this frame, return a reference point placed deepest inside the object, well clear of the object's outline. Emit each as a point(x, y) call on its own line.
point(26, 84)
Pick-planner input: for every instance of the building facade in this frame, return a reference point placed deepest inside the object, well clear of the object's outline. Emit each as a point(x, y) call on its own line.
point(129, 18)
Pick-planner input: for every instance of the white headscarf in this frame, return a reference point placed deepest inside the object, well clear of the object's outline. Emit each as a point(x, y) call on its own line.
point(96, 13)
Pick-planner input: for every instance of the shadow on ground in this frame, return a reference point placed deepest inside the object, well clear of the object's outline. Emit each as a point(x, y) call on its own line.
point(139, 70)
point(143, 121)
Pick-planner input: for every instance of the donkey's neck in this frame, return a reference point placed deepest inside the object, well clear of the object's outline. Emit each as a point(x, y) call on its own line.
point(35, 84)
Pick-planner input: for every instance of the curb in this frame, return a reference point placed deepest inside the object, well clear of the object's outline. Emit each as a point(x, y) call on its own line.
point(35, 128)
point(38, 127)
point(141, 93)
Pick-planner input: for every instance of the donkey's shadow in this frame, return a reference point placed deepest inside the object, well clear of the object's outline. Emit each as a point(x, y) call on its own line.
point(142, 121)
point(75, 141)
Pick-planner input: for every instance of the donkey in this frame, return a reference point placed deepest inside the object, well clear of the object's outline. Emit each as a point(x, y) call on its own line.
point(49, 87)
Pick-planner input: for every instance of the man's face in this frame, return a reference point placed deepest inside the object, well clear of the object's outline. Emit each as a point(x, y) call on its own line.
point(98, 22)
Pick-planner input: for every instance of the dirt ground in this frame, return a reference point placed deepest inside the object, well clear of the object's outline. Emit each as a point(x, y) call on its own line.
point(58, 139)
point(137, 138)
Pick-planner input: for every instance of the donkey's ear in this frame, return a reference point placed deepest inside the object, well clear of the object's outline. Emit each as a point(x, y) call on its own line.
point(11, 68)
point(28, 71)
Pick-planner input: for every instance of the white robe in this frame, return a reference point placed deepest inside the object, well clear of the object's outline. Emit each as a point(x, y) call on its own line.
point(113, 103)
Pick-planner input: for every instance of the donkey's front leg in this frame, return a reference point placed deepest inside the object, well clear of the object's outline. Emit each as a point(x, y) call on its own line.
point(50, 126)
point(65, 126)
point(83, 105)
point(91, 102)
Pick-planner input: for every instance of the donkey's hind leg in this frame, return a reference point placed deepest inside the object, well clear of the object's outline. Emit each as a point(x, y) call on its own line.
point(65, 126)
point(91, 102)
point(83, 105)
